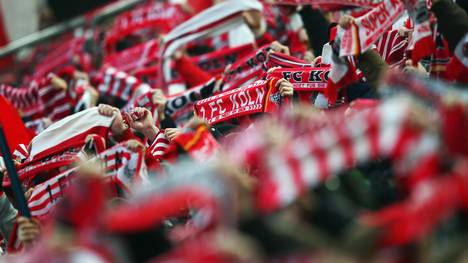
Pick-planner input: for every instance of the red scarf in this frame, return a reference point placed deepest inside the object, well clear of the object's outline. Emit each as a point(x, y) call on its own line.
point(276, 59)
point(304, 79)
point(199, 144)
point(246, 69)
point(368, 28)
point(135, 57)
point(121, 85)
point(260, 96)
point(392, 47)
point(316, 3)
point(215, 62)
point(163, 16)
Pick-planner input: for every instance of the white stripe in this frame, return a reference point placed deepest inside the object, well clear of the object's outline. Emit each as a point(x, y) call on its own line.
point(68, 128)
point(282, 176)
point(56, 98)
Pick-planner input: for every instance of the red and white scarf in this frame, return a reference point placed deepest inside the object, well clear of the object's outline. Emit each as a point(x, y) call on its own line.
point(55, 103)
point(121, 85)
point(247, 69)
point(213, 21)
point(59, 56)
point(69, 132)
point(163, 16)
point(20, 97)
point(316, 3)
point(421, 43)
point(368, 28)
point(342, 71)
point(392, 47)
point(260, 96)
point(180, 106)
point(123, 167)
point(159, 146)
point(303, 79)
point(286, 172)
point(277, 59)
point(215, 62)
point(135, 57)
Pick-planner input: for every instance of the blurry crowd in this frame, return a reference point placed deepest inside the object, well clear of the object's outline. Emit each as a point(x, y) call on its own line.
point(241, 131)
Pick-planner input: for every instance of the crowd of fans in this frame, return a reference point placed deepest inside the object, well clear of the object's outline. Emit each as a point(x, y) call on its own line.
point(243, 131)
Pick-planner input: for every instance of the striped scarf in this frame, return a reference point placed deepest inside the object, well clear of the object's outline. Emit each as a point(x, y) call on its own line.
point(368, 28)
point(211, 22)
point(122, 166)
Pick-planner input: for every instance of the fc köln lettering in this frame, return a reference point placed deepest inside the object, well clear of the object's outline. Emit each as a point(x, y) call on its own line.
point(237, 102)
point(304, 79)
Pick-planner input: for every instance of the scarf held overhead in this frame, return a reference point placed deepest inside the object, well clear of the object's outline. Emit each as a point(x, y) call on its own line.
point(304, 79)
point(260, 96)
point(368, 28)
point(211, 22)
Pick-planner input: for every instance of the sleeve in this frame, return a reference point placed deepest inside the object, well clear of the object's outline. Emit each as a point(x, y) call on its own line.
point(452, 21)
point(8, 217)
point(372, 66)
point(191, 73)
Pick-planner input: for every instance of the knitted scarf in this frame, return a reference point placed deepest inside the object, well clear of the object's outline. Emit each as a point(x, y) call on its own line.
point(303, 79)
point(260, 96)
point(251, 67)
point(134, 58)
point(68, 132)
point(122, 166)
point(392, 47)
point(316, 3)
point(331, 146)
point(368, 28)
point(215, 62)
point(276, 59)
point(160, 16)
point(121, 85)
point(211, 22)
